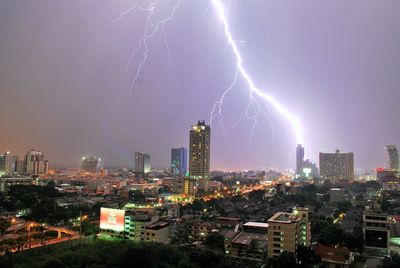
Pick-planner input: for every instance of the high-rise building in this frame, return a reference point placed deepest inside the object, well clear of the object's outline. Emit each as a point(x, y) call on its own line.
point(391, 157)
point(19, 166)
point(7, 164)
point(35, 163)
point(91, 165)
point(178, 162)
point(309, 169)
point(376, 231)
point(337, 166)
point(304, 167)
point(199, 154)
point(287, 231)
point(184, 186)
point(299, 159)
point(2, 165)
point(142, 163)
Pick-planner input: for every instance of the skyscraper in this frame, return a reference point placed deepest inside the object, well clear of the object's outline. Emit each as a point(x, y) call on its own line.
point(199, 154)
point(304, 167)
point(91, 165)
point(299, 159)
point(35, 163)
point(337, 166)
point(391, 157)
point(178, 161)
point(7, 164)
point(142, 163)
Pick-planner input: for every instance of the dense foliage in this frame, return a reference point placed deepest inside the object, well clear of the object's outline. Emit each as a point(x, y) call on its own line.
point(116, 254)
point(40, 204)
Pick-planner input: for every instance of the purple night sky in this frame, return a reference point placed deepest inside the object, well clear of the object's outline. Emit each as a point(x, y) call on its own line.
point(64, 81)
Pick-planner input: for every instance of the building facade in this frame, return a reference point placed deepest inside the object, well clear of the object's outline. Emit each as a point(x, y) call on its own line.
point(91, 165)
point(142, 163)
point(249, 245)
point(179, 162)
point(142, 225)
point(199, 154)
point(184, 186)
point(376, 231)
point(287, 231)
point(299, 159)
point(391, 157)
point(35, 163)
point(337, 166)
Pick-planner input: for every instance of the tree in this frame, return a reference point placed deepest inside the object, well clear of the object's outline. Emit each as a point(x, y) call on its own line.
point(286, 259)
point(343, 206)
point(207, 258)
point(354, 240)
point(390, 262)
point(198, 205)
point(20, 243)
point(4, 224)
point(215, 240)
point(257, 194)
point(306, 257)
point(137, 196)
point(88, 228)
point(331, 235)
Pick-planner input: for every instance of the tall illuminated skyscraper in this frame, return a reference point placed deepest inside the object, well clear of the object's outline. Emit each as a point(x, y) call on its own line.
point(391, 157)
point(178, 161)
point(35, 163)
point(142, 163)
point(199, 154)
point(91, 165)
point(7, 164)
point(299, 159)
point(337, 166)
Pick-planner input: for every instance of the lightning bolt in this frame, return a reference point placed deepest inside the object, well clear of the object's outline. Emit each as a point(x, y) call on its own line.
point(257, 98)
point(150, 30)
point(253, 90)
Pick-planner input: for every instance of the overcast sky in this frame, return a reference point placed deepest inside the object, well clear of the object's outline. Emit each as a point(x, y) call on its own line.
point(64, 80)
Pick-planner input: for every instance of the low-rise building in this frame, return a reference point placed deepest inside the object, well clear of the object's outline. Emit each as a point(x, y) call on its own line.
point(227, 223)
point(336, 194)
point(5, 183)
point(184, 186)
point(288, 230)
point(198, 230)
point(376, 231)
point(136, 225)
point(157, 232)
point(333, 257)
point(248, 246)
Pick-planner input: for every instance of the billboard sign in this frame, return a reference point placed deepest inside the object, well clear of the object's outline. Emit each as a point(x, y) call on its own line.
point(112, 219)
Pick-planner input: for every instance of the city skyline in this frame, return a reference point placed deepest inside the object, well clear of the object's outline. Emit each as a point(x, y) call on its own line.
point(88, 98)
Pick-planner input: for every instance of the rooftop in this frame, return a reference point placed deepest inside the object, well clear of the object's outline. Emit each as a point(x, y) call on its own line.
point(256, 224)
point(157, 225)
point(333, 254)
point(245, 238)
point(283, 217)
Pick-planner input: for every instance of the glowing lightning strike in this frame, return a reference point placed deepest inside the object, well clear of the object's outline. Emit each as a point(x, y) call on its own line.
point(219, 7)
point(151, 29)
